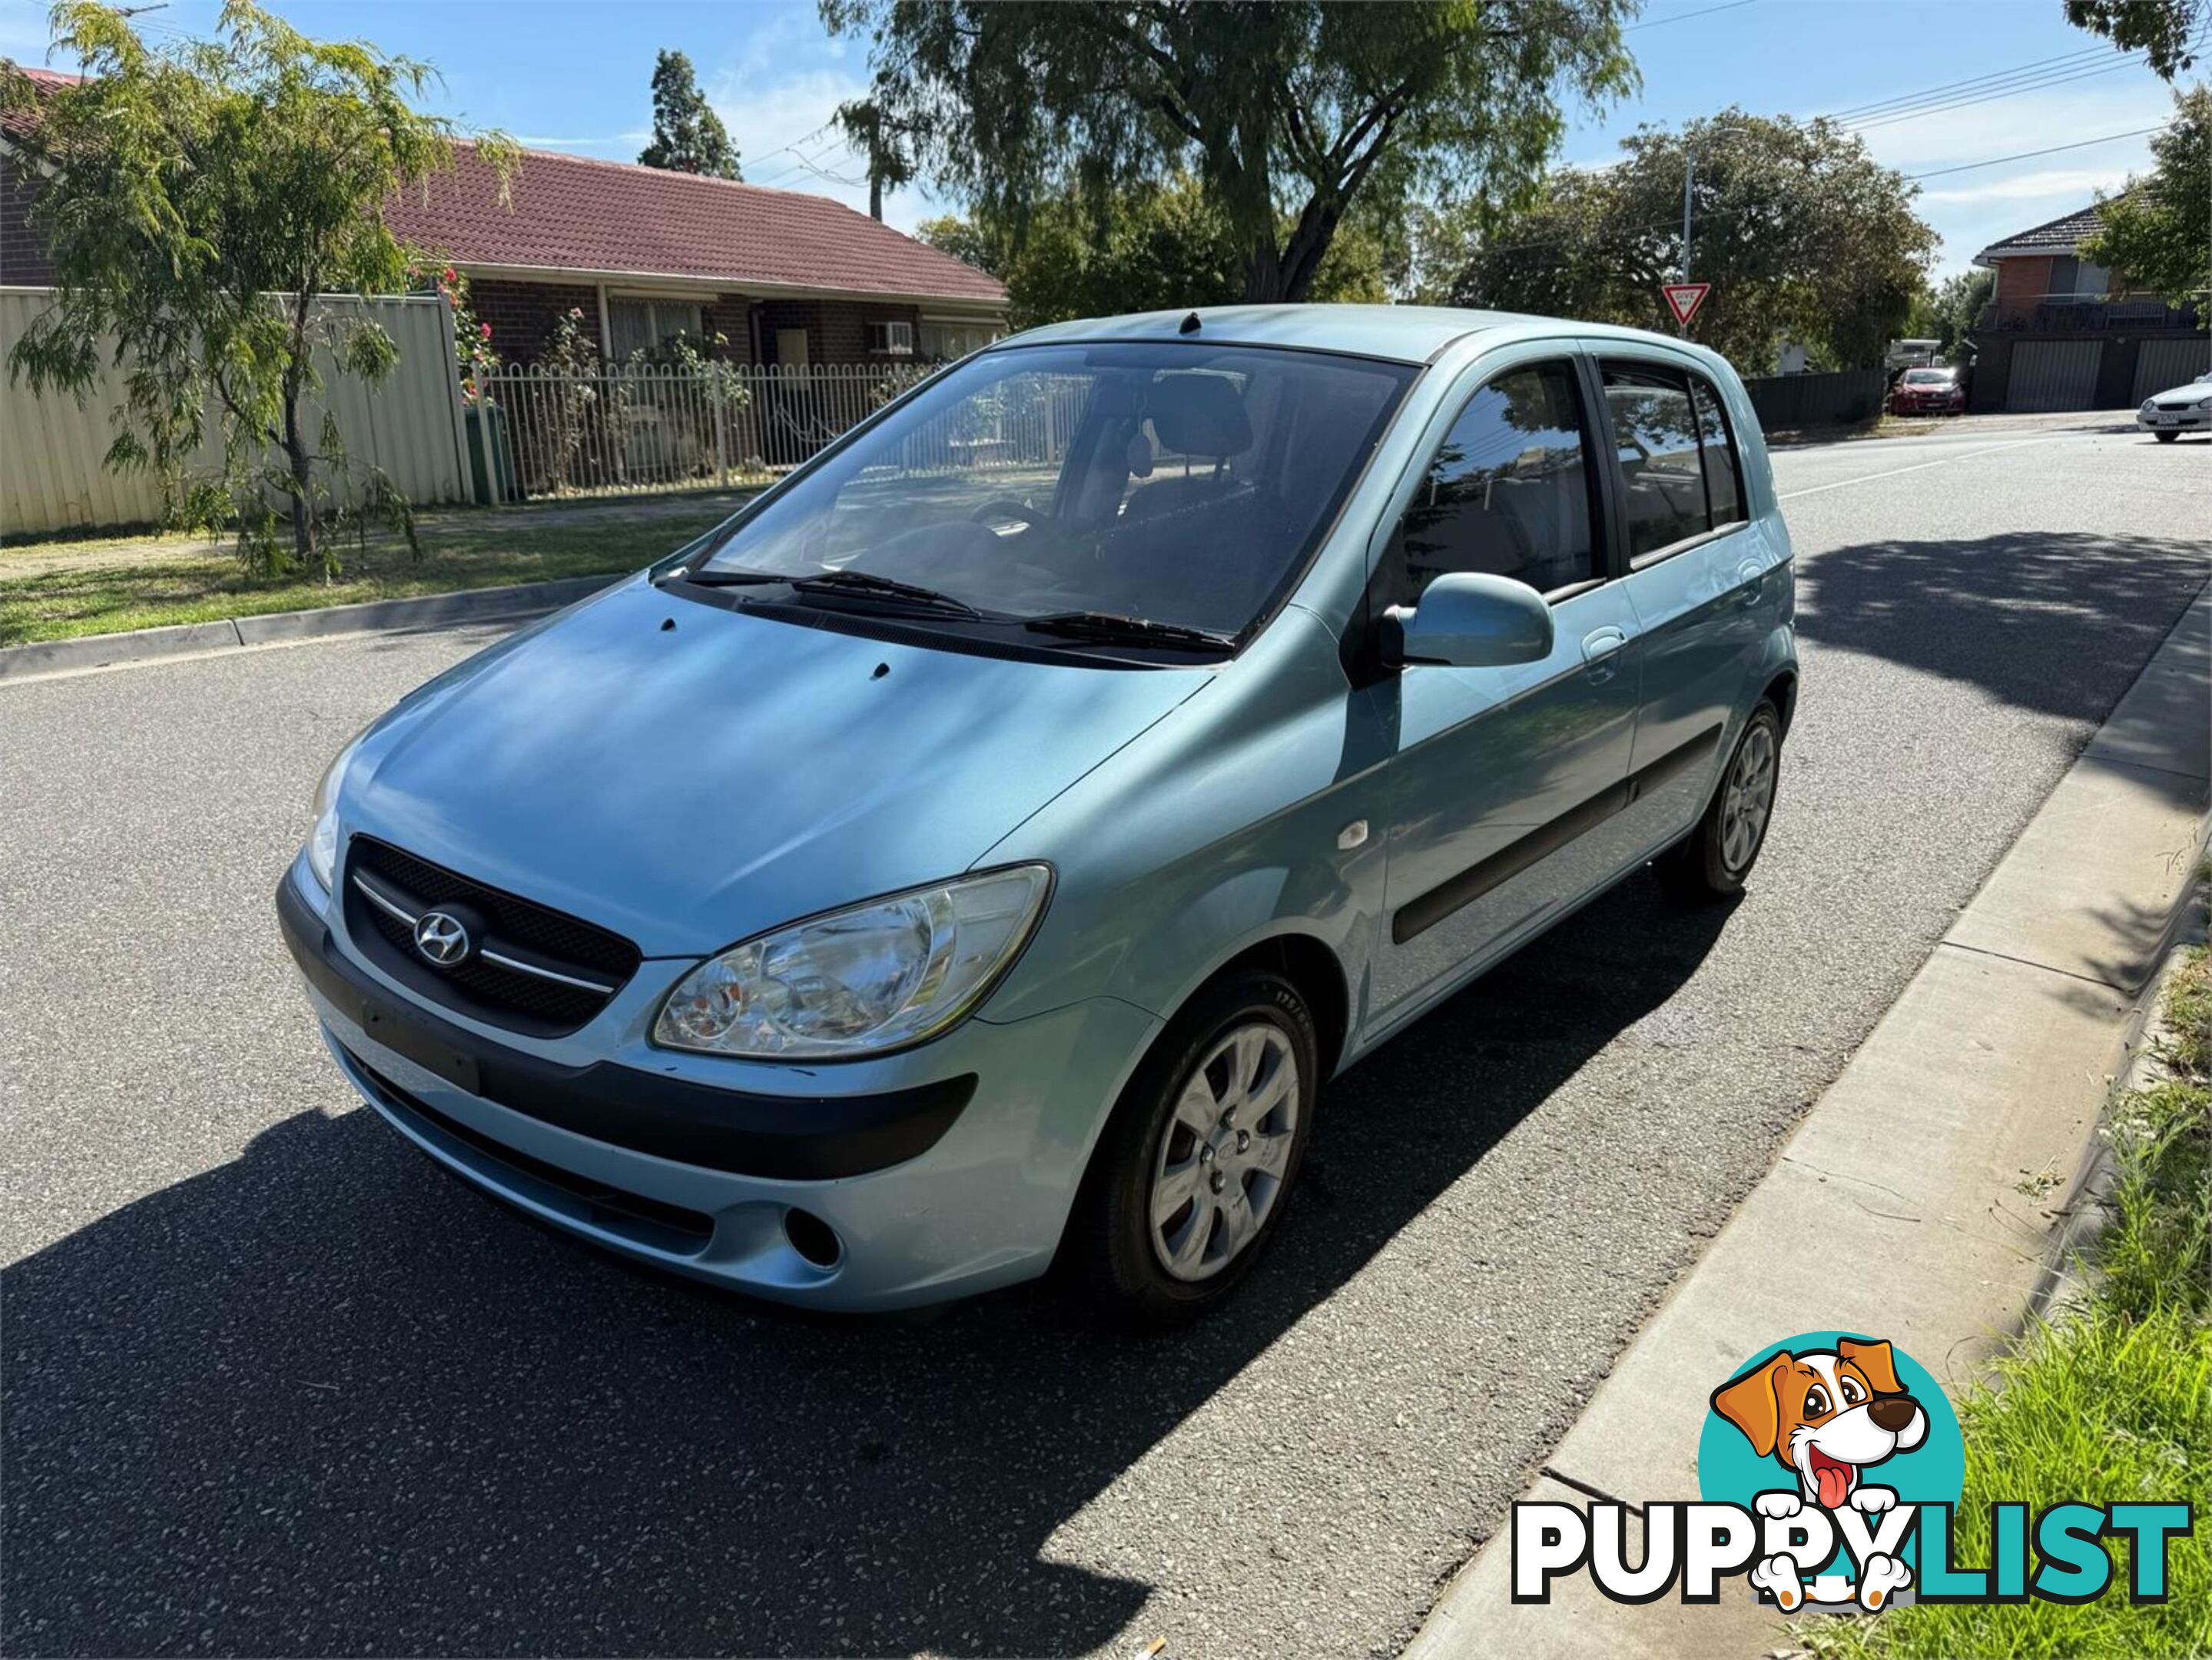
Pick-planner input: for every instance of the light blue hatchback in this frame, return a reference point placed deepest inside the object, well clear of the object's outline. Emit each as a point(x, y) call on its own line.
point(977, 853)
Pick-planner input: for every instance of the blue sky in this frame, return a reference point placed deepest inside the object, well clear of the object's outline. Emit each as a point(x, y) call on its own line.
point(573, 75)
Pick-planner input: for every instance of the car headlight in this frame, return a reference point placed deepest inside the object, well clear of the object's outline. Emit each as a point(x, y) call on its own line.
point(323, 842)
point(875, 976)
point(2148, 404)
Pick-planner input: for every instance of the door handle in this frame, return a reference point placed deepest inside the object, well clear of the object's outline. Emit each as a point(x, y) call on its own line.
point(1750, 575)
point(1598, 645)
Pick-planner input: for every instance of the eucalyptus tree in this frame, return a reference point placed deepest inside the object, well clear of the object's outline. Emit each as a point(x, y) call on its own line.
point(1286, 114)
point(204, 201)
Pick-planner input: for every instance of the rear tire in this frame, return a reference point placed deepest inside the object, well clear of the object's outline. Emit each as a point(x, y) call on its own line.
point(1189, 1182)
point(1713, 860)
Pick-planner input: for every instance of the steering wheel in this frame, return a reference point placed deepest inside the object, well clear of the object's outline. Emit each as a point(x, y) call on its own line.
point(1005, 506)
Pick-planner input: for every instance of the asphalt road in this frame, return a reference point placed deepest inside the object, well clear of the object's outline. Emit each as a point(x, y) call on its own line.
point(273, 1385)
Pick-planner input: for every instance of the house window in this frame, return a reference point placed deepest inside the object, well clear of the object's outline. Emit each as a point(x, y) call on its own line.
point(2077, 281)
point(895, 338)
point(643, 324)
point(946, 342)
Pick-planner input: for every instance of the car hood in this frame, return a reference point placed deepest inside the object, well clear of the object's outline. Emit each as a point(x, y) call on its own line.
point(691, 785)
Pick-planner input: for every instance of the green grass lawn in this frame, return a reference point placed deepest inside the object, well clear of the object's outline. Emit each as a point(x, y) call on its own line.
point(55, 591)
point(2108, 1402)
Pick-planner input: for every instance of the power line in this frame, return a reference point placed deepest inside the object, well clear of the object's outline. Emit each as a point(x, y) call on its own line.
point(803, 138)
point(1717, 216)
point(1880, 105)
point(2022, 155)
point(1685, 16)
point(2040, 85)
point(1982, 89)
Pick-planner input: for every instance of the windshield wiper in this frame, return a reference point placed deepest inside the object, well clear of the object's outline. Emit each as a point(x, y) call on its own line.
point(866, 582)
point(842, 583)
point(1104, 627)
point(733, 578)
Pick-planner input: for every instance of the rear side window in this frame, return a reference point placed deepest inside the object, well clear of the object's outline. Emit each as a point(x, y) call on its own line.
point(1723, 485)
point(1508, 492)
point(1657, 433)
point(1676, 459)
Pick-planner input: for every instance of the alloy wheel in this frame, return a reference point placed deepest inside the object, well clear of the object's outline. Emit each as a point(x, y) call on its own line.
point(1224, 1152)
point(1748, 797)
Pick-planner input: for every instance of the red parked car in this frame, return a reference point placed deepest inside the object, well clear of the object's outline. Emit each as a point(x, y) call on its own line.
point(1928, 392)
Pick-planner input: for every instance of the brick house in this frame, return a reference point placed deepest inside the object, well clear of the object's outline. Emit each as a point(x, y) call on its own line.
point(2061, 334)
point(23, 257)
point(784, 278)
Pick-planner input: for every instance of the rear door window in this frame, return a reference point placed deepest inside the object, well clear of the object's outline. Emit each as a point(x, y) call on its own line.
point(1724, 482)
point(1508, 491)
point(1678, 464)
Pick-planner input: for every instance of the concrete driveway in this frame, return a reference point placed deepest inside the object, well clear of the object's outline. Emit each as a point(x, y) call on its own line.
point(273, 1385)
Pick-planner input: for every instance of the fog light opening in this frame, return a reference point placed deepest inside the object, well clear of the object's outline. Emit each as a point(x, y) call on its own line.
point(812, 1238)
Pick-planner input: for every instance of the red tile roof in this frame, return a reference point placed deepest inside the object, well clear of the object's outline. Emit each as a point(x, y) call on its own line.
point(43, 81)
point(571, 214)
point(2059, 235)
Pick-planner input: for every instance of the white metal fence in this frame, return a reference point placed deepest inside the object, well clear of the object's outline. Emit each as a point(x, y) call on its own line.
point(52, 474)
point(615, 431)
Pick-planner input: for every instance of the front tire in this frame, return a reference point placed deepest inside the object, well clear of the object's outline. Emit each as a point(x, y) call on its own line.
point(1188, 1184)
point(2166, 437)
point(1713, 860)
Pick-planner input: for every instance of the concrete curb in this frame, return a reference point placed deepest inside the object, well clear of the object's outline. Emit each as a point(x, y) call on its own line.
point(2089, 1205)
point(1997, 1061)
point(233, 634)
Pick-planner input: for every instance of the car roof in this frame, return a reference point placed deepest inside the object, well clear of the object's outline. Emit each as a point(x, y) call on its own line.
point(1408, 334)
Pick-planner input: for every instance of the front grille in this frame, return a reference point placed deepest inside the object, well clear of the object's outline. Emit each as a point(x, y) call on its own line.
point(519, 929)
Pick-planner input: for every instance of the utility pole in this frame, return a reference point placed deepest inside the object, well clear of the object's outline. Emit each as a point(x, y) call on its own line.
point(1689, 175)
point(1689, 178)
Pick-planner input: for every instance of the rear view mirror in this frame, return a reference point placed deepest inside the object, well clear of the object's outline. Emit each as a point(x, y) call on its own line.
point(1473, 620)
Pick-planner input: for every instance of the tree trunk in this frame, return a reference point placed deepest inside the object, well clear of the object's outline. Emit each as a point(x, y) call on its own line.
point(1283, 276)
point(1263, 273)
point(1308, 246)
point(296, 459)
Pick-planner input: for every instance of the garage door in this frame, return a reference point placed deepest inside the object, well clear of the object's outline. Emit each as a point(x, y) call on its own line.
point(2054, 375)
point(2164, 364)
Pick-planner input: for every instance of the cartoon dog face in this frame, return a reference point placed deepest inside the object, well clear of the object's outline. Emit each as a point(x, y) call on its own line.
point(1825, 1415)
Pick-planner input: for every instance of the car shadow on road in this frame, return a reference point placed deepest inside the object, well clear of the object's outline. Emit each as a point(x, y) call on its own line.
point(2057, 623)
point(320, 1400)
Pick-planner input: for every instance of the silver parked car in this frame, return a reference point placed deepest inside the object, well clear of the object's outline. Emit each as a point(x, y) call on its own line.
point(2167, 414)
point(978, 853)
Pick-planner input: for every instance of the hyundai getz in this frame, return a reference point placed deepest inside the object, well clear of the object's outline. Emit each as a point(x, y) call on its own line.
point(977, 853)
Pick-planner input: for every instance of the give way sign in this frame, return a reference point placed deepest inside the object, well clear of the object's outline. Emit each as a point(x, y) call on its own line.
point(1683, 299)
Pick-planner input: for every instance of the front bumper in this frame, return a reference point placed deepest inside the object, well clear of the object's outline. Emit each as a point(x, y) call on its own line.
point(940, 1172)
point(2194, 417)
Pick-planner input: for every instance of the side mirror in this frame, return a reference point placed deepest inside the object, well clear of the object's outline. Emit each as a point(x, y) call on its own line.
point(1472, 620)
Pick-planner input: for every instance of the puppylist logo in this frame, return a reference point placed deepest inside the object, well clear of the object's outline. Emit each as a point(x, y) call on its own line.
point(1829, 1471)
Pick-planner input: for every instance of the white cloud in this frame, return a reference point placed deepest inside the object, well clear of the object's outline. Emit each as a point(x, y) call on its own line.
point(2052, 184)
point(613, 141)
point(1971, 209)
point(2023, 121)
point(785, 139)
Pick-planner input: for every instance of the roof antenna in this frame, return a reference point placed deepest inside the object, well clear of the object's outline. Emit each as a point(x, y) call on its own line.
point(1189, 325)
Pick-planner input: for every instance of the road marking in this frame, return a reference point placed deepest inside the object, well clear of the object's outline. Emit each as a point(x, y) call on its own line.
point(1919, 466)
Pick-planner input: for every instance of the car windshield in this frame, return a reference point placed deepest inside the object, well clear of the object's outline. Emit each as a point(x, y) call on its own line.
point(1176, 481)
point(1928, 378)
